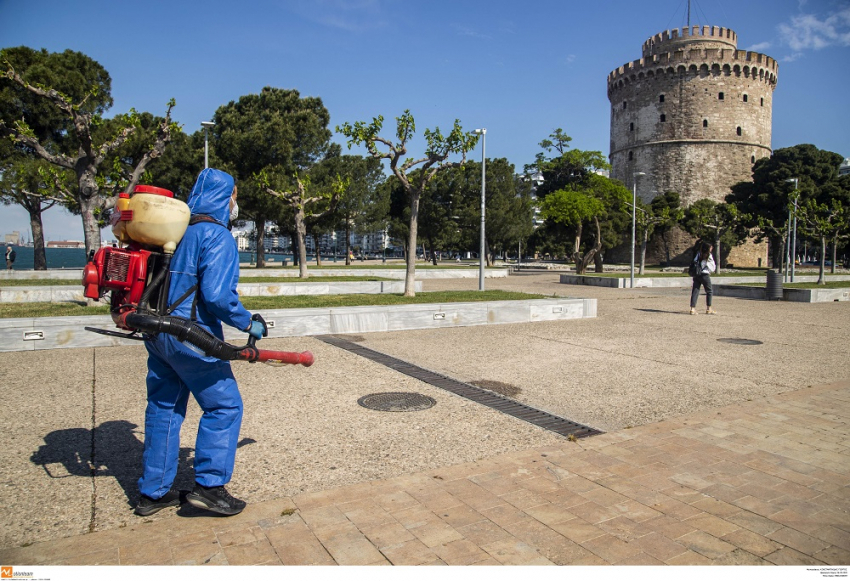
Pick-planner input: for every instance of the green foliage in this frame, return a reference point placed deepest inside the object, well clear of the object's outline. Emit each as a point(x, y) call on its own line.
point(570, 207)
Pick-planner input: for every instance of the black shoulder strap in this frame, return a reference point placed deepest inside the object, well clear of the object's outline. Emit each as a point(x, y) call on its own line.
point(197, 218)
point(182, 298)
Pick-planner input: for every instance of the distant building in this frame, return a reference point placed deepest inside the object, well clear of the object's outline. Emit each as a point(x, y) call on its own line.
point(65, 244)
point(844, 168)
point(14, 238)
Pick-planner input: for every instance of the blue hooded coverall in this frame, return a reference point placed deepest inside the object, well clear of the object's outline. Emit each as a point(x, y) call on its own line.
point(207, 256)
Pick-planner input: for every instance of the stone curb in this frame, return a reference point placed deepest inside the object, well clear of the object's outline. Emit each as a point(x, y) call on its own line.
point(30, 334)
point(675, 282)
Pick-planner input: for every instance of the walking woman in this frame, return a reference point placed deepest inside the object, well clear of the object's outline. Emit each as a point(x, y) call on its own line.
point(704, 262)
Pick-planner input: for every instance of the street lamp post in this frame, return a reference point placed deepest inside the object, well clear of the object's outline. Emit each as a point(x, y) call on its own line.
point(483, 134)
point(635, 176)
point(794, 236)
point(206, 125)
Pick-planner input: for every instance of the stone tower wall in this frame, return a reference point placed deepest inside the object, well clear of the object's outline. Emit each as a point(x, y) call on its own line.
point(693, 114)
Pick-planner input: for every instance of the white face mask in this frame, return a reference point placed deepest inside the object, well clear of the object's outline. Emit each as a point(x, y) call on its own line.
point(234, 211)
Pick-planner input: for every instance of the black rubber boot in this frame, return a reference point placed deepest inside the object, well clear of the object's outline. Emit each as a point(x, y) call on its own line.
point(215, 499)
point(148, 506)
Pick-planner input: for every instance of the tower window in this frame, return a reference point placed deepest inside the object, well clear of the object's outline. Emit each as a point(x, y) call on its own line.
point(720, 95)
point(631, 126)
point(705, 122)
point(762, 101)
point(739, 131)
point(631, 155)
point(663, 117)
point(745, 97)
point(625, 104)
point(661, 98)
point(753, 159)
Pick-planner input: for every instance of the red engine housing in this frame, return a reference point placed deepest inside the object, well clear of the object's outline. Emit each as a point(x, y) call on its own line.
point(124, 271)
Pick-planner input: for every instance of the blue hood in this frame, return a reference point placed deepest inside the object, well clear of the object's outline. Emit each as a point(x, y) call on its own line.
point(211, 195)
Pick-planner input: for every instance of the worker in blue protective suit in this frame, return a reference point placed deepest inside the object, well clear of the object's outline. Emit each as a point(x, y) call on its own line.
point(204, 274)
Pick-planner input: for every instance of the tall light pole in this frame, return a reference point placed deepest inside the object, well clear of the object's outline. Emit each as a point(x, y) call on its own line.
point(206, 125)
point(483, 134)
point(794, 238)
point(635, 176)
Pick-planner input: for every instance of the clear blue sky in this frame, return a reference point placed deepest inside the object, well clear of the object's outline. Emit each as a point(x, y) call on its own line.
point(520, 69)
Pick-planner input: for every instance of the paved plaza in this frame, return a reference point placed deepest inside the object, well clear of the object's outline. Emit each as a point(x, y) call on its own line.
point(726, 441)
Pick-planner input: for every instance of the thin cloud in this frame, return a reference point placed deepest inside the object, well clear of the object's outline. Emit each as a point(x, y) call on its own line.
point(809, 32)
point(570, 59)
point(349, 15)
point(762, 46)
point(466, 31)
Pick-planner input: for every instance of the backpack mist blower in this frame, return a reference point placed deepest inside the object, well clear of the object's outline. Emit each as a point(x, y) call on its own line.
point(149, 225)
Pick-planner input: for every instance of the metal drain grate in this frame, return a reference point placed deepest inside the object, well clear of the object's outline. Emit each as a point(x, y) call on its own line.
point(736, 341)
point(539, 418)
point(397, 401)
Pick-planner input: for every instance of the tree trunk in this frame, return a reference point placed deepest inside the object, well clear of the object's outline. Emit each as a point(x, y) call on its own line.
point(410, 274)
point(834, 253)
point(432, 246)
point(38, 253)
point(488, 254)
point(643, 251)
point(717, 253)
point(598, 262)
point(821, 277)
point(301, 235)
point(318, 254)
point(347, 242)
point(260, 229)
point(580, 264)
point(91, 230)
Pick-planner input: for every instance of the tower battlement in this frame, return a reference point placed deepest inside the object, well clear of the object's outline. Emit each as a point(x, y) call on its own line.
point(671, 40)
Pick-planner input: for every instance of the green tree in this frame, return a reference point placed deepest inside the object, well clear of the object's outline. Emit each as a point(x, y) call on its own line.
point(437, 152)
point(74, 136)
point(765, 201)
point(662, 213)
point(723, 224)
point(26, 182)
point(824, 221)
point(277, 133)
point(592, 201)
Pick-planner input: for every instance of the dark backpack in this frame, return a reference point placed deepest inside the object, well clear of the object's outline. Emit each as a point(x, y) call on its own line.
point(693, 269)
point(13, 255)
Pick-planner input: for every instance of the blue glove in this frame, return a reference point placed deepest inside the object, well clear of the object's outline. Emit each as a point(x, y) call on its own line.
point(258, 330)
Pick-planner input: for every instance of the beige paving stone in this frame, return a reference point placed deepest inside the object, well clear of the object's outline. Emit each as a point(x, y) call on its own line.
point(145, 553)
point(712, 524)
point(798, 541)
point(751, 542)
point(385, 535)
point(515, 552)
point(689, 558)
point(604, 497)
point(322, 517)
point(705, 544)
point(831, 534)
point(202, 553)
point(241, 536)
point(437, 501)
point(593, 513)
point(716, 507)
point(395, 501)
point(304, 553)
point(250, 553)
point(365, 514)
point(624, 528)
point(682, 493)
point(435, 533)
point(351, 548)
point(578, 530)
point(460, 552)
point(659, 546)
point(541, 485)
point(740, 557)
point(102, 557)
point(503, 514)
point(636, 511)
point(460, 516)
point(756, 506)
point(671, 528)
point(484, 533)
point(611, 548)
point(549, 513)
point(415, 517)
point(409, 553)
point(488, 562)
point(834, 555)
point(640, 560)
point(788, 556)
point(522, 499)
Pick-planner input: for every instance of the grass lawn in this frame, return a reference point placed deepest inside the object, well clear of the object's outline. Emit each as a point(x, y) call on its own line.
point(27, 310)
point(656, 274)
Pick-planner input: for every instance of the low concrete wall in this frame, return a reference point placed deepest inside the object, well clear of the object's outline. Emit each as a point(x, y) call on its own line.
point(676, 281)
point(395, 273)
point(68, 332)
point(797, 295)
point(61, 294)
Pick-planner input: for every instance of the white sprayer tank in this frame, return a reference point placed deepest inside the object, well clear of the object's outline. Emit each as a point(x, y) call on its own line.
point(151, 216)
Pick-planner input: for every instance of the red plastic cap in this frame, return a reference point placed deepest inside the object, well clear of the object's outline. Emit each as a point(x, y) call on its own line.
point(153, 190)
point(123, 195)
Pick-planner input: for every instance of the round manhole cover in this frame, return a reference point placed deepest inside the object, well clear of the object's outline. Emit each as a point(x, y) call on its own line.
point(396, 402)
point(736, 341)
